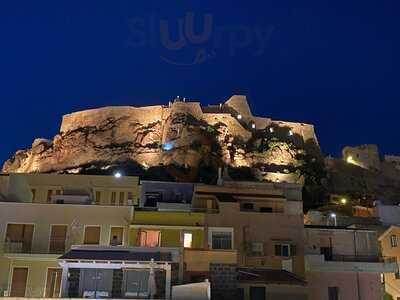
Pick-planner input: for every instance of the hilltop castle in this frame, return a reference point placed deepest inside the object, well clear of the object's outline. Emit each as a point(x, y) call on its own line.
point(181, 134)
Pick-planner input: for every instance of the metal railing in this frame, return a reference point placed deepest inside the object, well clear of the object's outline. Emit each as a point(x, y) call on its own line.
point(360, 258)
point(56, 246)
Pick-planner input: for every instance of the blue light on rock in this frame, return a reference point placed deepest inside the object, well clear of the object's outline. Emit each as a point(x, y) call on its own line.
point(167, 146)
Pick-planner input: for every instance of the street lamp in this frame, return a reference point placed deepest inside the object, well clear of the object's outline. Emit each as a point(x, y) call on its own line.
point(343, 201)
point(117, 175)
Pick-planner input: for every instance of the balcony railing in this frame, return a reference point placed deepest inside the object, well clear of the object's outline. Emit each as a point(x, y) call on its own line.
point(56, 246)
point(360, 258)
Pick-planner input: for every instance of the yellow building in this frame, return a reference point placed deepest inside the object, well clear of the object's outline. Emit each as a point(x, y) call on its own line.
point(184, 230)
point(48, 214)
point(72, 189)
point(35, 235)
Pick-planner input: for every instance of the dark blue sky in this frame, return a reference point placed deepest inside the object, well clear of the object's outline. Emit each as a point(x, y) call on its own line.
point(331, 63)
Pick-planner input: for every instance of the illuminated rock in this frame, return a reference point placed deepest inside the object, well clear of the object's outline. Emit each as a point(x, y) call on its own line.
point(182, 134)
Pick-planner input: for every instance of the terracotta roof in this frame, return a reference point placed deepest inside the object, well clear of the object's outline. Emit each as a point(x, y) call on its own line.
point(269, 276)
point(117, 255)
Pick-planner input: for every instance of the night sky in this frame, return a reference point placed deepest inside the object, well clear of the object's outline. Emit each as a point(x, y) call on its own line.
point(334, 64)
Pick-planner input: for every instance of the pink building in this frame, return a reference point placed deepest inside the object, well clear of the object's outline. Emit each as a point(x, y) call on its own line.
point(344, 263)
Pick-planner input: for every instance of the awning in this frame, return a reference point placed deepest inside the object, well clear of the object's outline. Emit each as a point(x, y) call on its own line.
point(116, 255)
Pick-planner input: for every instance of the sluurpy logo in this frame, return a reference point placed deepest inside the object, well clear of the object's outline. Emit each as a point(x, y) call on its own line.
point(180, 42)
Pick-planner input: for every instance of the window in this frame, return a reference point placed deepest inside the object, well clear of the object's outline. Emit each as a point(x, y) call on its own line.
point(257, 293)
point(240, 293)
point(57, 238)
point(285, 250)
point(257, 249)
point(116, 236)
point(248, 206)
point(33, 195)
point(393, 241)
point(19, 238)
point(333, 293)
point(49, 194)
point(266, 209)
point(149, 238)
point(397, 275)
point(121, 198)
point(98, 198)
point(92, 235)
point(113, 198)
point(130, 198)
point(221, 240)
point(187, 240)
point(382, 278)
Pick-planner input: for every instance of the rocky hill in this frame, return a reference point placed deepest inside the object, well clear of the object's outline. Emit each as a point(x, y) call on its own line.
point(181, 141)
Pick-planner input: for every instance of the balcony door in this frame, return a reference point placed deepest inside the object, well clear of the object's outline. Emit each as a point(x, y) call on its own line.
point(18, 284)
point(53, 283)
point(19, 238)
point(96, 283)
point(92, 235)
point(57, 238)
point(116, 236)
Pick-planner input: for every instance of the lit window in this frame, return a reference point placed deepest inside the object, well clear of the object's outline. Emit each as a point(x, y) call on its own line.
point(239, 116)
point(271, 129)
point(290, 132)
point(253, 126)
point(393, 241)
point(187, 240)
point(149, 238)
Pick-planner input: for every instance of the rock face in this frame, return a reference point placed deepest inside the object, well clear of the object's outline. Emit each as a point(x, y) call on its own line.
point(182, 135)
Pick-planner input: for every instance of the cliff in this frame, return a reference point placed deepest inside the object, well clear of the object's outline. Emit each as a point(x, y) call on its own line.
point(184, 139)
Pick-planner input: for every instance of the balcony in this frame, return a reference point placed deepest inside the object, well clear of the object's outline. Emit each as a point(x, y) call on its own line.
point(198, 260)
point(56, 247)
point(350, 263)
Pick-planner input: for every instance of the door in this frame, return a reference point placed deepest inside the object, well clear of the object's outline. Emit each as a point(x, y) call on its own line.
point(57, 238)
point(53, 283)
point(96, 283)
point(136, 283)
point(18, 284)
point(257, 293)
point(92, 235)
